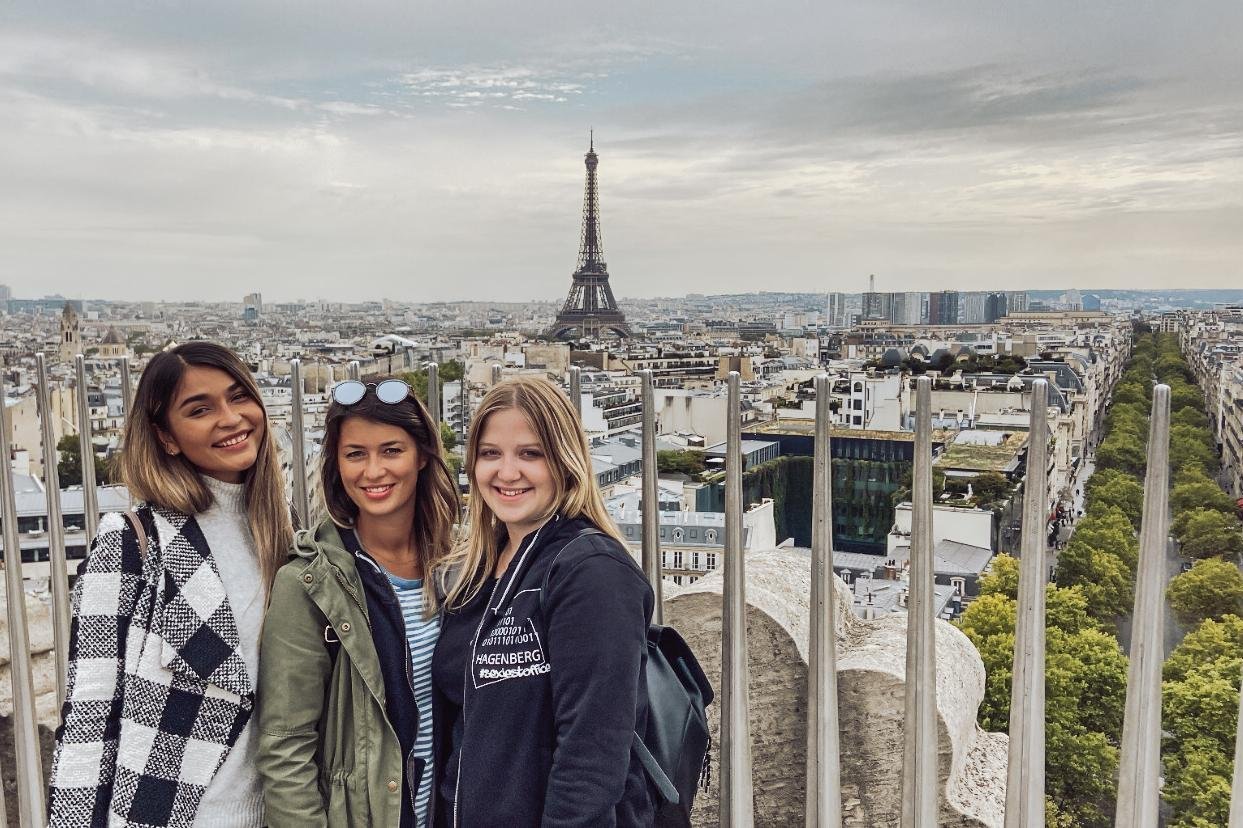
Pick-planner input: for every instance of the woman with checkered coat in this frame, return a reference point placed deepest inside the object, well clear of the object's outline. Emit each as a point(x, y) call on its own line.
point(156, 728)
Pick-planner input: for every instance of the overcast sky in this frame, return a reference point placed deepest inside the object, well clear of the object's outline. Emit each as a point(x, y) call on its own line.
point(423, 151)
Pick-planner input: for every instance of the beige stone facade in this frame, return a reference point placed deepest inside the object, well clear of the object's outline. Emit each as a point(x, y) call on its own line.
point(871, 670)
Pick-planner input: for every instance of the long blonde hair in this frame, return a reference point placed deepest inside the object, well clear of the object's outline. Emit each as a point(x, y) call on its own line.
point(172, 482)
point(463, 572)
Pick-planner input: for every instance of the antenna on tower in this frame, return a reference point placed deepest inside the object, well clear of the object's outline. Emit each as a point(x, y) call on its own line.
point(872, 283)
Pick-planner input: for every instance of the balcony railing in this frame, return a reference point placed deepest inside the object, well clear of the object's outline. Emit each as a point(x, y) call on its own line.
point(1138, 792)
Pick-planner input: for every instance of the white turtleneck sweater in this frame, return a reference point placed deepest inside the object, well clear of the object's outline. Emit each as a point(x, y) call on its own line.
point(234, 797)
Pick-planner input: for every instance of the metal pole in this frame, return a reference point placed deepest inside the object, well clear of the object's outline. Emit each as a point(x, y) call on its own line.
point(356, 370)
point(652, 564)
point(1025, 775)
point(127, 400)
point(919, 761)
point(90, 498)
point(1140, 759)
point(737, 802)
point(127, 390)
point(55, 531)
point(29, 774)
point(433, 392)
point(496, 374)
point(297, 440)
point(824, 775)
point(576, 389)
point(1236, 788)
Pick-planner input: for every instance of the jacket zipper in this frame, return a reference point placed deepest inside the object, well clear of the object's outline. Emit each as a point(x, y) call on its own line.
point(409, 662)
point(457, 782)
point(418, 714)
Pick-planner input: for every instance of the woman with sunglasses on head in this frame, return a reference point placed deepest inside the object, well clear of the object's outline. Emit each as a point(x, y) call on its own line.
point(539, 671)
point(345, 685)
point(156, 728)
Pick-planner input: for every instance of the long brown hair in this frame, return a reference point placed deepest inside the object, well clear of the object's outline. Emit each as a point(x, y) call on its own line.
point(172, 482)
point(463, 573)
point(436, 504)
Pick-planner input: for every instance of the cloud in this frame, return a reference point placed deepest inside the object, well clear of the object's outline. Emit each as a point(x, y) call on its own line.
point(425, 152)
point(497, 87)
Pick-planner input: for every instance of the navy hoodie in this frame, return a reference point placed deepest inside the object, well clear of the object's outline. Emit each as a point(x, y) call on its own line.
point(537, 701)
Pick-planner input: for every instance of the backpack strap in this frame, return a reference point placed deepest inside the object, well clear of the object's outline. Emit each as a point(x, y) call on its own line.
point(582, 533)
point(655, 772)
point(136, 522)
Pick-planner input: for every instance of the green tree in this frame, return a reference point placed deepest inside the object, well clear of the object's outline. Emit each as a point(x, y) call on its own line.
point(989, 488)
point(448, 437)
point(1108, 528)
point(1212, 588)
point(1198, 521)
point(1103, 577)
point(1197, 786)
point(1189, 452)
point(1215, 646)
point(1226, 543)
point(69, 466)
point(1200, 708)
point(1203, 494)
point(1190, 417)
point(680, 462)
point(1117, 490)
point(1186, 396)
point(1172, 368)
point(417, 380)
point(1131, 393)
point(1002, 577)
point(1066, 608)
point(1085, 692)
point(1124, 451)
point(1130, 416)
point(452, 370)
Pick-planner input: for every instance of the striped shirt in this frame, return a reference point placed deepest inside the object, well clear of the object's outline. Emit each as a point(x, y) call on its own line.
point(421, 635)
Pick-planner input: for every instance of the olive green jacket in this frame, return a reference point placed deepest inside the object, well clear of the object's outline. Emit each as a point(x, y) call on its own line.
point(327, 753)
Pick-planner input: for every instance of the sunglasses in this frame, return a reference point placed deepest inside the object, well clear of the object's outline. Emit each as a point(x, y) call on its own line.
point(390, 391)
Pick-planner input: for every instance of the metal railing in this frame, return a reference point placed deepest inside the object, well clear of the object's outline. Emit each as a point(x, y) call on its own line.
point(433, 396)
point(1138, 789)
point(651, 498)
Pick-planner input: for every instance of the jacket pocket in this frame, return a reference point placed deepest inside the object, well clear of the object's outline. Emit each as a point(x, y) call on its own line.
point(345, 798)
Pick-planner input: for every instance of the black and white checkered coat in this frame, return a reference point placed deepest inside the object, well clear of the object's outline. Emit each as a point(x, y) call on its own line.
point(157, 689)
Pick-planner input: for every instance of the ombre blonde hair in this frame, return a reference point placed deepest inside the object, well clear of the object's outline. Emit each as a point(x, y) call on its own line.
point(463, 572)
point(171, 482)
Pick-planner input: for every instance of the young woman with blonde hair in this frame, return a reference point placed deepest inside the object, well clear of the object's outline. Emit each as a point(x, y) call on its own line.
point(156, 728)
point(345, 707)
point(539, 671)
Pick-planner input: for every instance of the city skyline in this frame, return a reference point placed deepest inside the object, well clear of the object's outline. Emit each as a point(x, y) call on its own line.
point(177, 153)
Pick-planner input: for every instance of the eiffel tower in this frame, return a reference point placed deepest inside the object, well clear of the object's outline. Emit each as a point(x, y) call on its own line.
point(590, 311)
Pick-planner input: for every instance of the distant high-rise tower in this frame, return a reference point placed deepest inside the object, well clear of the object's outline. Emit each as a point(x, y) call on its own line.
point(70, 334)
point(252, 307)
point(943, 307)
point(835, 310)
point(590, 310)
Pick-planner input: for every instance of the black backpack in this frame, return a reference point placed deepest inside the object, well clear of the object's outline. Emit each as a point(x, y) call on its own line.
point(674, 747)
